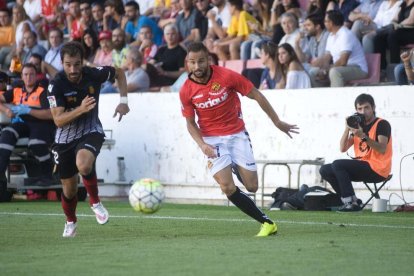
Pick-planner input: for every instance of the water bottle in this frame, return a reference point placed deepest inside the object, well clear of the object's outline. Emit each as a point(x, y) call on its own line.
point(121, 169)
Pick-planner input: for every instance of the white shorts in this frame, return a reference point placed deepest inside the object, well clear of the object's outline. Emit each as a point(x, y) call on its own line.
point(235, 148)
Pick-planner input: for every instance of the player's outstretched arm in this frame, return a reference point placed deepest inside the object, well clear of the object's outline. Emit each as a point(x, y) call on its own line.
point(194, 131)
point(268, 109)
point(122, 108)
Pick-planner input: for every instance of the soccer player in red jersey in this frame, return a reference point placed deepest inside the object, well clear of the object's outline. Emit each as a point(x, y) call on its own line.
point(211, 93)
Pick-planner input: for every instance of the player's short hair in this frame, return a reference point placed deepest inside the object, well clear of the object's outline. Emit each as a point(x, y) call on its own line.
point(364, 98)
point(196, 47)
point(72, 49)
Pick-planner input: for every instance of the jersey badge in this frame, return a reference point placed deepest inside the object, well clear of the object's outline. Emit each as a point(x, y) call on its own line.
point(215, 86)
point(91, 90)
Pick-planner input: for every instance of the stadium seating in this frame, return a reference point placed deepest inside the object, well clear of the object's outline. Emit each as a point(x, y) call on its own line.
point(236, 65)
point(374, 193)
point(374, 70)
point(254, 63)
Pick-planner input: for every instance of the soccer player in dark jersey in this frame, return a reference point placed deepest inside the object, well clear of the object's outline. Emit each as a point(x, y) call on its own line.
point(73, 99)
point(211, 93)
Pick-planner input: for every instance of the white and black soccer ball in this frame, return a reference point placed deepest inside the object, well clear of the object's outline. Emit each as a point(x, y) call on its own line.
point(146, 195)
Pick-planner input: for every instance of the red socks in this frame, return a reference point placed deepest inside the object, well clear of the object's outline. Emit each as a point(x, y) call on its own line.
point(69, 207)
point(91, 185)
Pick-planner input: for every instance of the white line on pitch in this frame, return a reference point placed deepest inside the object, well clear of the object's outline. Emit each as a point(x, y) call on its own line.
point(212, 219)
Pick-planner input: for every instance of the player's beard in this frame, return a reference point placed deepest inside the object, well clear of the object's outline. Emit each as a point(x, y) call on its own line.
point(74, 77)
point(200, 73)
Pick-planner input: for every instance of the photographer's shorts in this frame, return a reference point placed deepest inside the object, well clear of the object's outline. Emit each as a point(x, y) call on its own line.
point(65, 154)
point(235, 148)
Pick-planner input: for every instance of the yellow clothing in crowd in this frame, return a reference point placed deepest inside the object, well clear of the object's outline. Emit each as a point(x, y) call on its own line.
point(239, 25)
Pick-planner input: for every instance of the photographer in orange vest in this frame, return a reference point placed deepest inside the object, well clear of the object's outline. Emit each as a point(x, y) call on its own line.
point(28, 109)
point(371, 138)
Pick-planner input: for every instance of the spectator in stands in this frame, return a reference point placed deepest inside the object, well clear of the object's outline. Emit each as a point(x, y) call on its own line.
point(403, 72)
point(136, 21)
point(169, 59)
point(345, 7)
point(294, 75)
point(362, 17)
point(120, 48)
point(52, 16)
point(238, 31)
point(272, 74)
point(317, 7)
point(311, 49)
point(33, 9)
point(73, 20)
point(385, 14)
point(345, 50)
point(7, 37)
point(103, 55)
point(97, 15)
point(395, 35)
point(30, 46)
point(147, 48)
point(290, 26)
point(171, 15)
point(114, 15)
point(91, 44)
point(31, 118)
point(218, 22)
point(279, 8)
point(41, 77)
point(53, 55)
point(373, 151)
point(21, 24)
point(201, 21)
point(186, 23)
point(86, 21)
point(261, 32)
point(136, 77)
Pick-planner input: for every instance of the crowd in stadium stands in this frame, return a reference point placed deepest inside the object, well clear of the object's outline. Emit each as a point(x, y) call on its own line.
point(295, 43)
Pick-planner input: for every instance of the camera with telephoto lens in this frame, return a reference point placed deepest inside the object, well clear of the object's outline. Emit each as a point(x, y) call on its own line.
point(356, 120)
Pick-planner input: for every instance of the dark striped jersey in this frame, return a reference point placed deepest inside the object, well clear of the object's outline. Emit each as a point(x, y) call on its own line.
point(63, 93)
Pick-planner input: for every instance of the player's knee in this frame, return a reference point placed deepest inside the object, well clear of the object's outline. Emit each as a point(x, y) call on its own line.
point(229, 189)
point(252, 187)
point(84, 168)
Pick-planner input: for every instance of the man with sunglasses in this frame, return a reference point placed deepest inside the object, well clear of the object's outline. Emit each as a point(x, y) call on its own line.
point(28, 110)
point(372, 142)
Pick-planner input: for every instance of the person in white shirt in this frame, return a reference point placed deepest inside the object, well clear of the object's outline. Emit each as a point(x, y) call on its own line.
point(293, 73)
point(53, 55)
point(344, 50)
point(290, 26)
point(33, 9)
point(136, 77)
point(219, 18)
point(386, 13)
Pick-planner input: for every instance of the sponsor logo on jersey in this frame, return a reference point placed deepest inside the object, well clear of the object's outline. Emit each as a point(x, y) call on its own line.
point(52, 101)
point(212, 102)
point(71, 93)
point(71, 99)
point(198, 96)
point(91, 90)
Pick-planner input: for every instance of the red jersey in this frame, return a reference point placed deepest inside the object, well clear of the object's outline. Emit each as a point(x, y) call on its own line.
point(216, 103)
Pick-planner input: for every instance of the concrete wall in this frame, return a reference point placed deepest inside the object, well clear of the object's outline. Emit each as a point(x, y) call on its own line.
point(155, 143)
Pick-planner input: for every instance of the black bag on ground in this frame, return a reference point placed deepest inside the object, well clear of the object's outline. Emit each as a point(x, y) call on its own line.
point(314, 198)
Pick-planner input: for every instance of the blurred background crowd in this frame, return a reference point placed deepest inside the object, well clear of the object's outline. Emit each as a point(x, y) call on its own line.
point(277, 44)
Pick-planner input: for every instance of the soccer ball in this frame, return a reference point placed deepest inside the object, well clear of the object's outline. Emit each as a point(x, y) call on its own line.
point(146, 195)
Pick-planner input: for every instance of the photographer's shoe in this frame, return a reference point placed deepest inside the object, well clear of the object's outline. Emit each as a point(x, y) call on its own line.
point(349, 207)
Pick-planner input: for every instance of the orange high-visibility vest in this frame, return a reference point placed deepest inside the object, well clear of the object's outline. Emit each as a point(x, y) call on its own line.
point(379, 163)
point(31, 99)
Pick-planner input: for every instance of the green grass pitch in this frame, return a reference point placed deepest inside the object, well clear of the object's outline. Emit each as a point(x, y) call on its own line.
point(202, 240)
